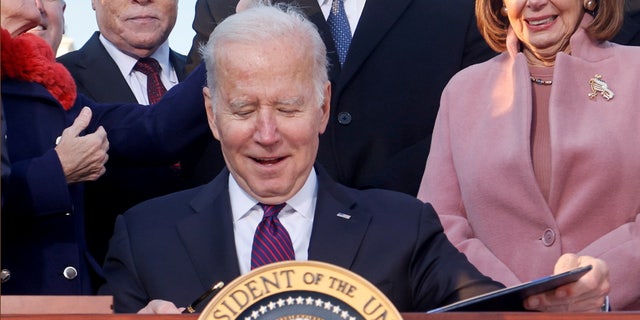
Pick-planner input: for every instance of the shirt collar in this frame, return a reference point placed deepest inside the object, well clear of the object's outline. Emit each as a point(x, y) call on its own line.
point(126, 62)
point(302, 202)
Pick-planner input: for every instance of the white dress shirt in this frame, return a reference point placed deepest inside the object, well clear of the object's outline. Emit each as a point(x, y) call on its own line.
point(137, 80)
point(296, 217)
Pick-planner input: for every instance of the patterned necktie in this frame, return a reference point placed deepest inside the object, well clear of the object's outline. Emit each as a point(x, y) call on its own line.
point(339, 25)
point(271, 242)
point(151, 68)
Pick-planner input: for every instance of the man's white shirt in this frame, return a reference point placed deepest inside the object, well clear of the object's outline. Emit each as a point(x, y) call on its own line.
point(297, 217)
point(137, 80)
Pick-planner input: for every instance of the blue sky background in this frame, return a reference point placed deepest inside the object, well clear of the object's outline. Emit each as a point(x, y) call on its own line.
point(80, 23)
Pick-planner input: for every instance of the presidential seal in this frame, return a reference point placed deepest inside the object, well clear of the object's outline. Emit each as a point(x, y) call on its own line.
point(300, 290)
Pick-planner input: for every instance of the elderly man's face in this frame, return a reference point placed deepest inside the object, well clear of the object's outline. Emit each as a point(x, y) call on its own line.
point(268, 118)
point(136, 27)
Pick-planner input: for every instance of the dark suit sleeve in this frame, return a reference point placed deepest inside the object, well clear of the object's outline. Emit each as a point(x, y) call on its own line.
point(159, 133)
point(38, 186)
point(434, 262)
point(122, 279)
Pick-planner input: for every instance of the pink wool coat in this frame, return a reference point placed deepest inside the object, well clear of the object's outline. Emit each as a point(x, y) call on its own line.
point(480, 179)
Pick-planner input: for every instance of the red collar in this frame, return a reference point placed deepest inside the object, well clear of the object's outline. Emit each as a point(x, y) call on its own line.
point(29, 58)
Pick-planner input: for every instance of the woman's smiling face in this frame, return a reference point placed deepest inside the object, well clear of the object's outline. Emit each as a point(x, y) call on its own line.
point(544, 26)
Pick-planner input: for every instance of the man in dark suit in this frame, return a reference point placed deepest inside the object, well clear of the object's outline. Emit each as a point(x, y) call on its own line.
point(267, 102)
point(386, 95)
point(105, 69)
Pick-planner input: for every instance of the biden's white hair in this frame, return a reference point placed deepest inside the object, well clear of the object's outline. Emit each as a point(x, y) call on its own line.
point(261, 22)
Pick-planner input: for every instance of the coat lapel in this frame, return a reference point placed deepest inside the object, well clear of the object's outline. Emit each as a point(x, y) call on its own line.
point(207, 235)
point(378, 16)
point(100, 75)
point(338, 229)
point(178, 63)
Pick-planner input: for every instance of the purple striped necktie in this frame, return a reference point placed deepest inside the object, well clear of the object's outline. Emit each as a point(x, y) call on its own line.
point(271, 242)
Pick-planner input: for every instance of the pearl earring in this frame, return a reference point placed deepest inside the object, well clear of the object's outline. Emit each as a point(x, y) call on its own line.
point(503, 11)
point(590, 5)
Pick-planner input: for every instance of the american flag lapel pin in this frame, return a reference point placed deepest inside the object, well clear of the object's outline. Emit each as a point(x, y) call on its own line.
point(344, 215)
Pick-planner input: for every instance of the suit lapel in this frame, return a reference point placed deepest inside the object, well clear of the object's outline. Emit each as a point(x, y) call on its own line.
point(178, 63)
point(378, 16)
point(338, 230)
point(104, 82)
point(207, 235)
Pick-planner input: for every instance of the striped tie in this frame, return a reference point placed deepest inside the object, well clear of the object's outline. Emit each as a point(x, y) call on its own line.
point(271, 242)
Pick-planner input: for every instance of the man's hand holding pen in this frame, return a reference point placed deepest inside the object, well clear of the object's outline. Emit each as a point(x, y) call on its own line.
point(158, 306)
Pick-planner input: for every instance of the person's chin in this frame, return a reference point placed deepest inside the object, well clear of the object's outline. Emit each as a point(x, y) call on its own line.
point(39, 33)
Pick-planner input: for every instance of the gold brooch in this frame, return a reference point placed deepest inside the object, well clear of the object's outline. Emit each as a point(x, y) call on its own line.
point(599, 86)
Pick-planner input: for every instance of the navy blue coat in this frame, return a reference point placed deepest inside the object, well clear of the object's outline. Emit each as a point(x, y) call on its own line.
point(43, 217)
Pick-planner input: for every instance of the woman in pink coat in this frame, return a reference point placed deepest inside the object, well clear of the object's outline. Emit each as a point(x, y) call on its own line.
point(536, 153)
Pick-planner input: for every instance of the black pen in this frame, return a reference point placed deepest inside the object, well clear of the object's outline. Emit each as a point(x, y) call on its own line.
point(212, 291)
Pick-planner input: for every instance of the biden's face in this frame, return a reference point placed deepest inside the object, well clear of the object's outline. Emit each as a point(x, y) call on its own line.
point(268, 116)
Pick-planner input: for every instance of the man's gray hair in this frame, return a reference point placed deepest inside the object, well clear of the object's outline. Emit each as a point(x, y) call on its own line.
point(260, 22)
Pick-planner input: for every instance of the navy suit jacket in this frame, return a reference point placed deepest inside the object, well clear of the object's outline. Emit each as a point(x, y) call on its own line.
point(175, 247)
point(43, 216)
point(124, 184)
point(386, 96)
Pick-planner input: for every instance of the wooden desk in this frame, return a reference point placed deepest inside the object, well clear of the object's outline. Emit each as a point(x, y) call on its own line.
point(99, 308)
point(55, 305)
point(406, 316)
